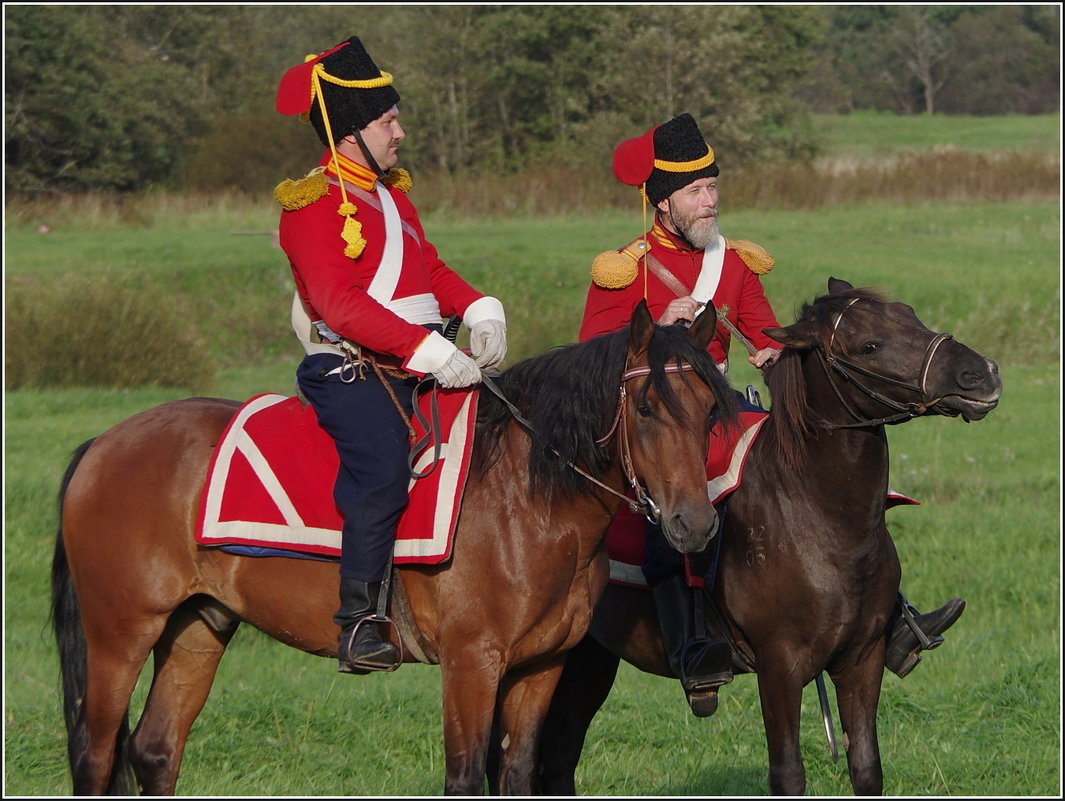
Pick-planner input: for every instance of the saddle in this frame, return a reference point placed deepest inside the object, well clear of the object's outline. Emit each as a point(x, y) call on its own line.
point(269, 489)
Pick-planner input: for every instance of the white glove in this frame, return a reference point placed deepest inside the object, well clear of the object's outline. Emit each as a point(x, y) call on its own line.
point(458, 371)
point(488, 343)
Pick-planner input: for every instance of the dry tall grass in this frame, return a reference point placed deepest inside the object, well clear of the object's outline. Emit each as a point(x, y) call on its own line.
point(937, 174)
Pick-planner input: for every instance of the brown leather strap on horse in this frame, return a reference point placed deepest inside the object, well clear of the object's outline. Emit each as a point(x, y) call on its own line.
point(431, 426)
point(380, 372)
point(643, 504)
point(675, 285)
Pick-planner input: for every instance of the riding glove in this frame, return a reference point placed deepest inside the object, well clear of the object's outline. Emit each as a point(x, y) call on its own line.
point(488, 343)
point(458, 371)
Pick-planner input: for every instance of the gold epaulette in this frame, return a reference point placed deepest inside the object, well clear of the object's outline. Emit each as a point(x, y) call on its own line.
point(400, 179)
point(756, 258)
point(294, 195)
point(617, 269)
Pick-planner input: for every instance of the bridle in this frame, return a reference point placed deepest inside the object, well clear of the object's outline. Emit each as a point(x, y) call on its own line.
point(846, 370)
point(642, 503)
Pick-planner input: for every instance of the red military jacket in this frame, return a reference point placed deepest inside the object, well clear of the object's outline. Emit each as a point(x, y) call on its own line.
point(418, 287)
point(738, 290)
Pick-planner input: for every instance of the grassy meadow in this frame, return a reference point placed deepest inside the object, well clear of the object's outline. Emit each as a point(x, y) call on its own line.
point(981, 716)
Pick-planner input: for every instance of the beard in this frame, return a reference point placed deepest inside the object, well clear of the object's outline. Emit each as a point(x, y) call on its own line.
point(699, 231)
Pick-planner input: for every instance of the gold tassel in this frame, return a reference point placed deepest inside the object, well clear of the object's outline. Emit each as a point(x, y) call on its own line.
point(352, 234)
point(294, 195)
point(754, 256)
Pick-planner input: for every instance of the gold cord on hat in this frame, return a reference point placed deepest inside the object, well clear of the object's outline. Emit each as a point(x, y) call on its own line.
point(643, 242)
point(381, 81)
point(686, 166)
point(352, 233)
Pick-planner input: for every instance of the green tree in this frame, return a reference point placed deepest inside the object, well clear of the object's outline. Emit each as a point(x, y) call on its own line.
point(535, 67)
point(958, 59)
point(922, 40)
point(734, 68)
point(102, 96)
point(1000, 65)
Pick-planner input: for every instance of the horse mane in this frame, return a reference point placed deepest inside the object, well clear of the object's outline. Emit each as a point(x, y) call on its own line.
point(569, 395)
point(793, 422)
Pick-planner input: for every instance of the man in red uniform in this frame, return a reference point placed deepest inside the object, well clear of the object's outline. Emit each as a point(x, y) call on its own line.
point(690, 262)
point(680, 266)
point(371, 292)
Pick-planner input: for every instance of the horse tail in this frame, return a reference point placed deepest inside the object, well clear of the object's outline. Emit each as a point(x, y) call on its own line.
point(70, 640)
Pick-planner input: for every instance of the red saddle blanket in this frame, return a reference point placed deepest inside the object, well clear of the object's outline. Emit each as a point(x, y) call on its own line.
point(726, 457)
point(270, 483)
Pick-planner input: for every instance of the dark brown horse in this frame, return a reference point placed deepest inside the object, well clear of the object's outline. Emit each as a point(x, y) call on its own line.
point(527, 567)
point(807, 575)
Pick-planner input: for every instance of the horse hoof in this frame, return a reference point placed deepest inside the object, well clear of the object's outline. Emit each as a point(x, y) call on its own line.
point(703, 705)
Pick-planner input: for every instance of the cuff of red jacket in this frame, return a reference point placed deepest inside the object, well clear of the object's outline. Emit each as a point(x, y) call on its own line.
point(430, 355)
point(486, 308)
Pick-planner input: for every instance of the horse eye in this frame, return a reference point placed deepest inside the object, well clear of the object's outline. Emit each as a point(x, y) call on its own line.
point(643, 410)
point(870, 347)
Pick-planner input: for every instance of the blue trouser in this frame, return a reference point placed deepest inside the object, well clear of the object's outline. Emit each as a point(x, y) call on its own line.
point(372, 442)
point(662, 560)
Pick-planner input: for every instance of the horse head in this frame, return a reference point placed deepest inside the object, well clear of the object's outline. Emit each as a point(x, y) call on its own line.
point(669, 390)
point(884, 366)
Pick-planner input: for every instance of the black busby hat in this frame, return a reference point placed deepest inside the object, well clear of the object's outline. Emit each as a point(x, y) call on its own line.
point(666, 158)
point(681, 156)
point(345, 80)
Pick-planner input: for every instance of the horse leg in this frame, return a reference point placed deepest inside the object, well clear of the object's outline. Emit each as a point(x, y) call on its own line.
point(587, 678)
point(780, 693)
point(186, 658)
point(469, 682)
point(111, 676)
point(525, 700)
point(858, 695)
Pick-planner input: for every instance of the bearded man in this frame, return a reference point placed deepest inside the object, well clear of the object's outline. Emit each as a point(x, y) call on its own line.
point(680, 266)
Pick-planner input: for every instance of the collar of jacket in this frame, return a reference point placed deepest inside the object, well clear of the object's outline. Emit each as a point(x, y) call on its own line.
point(664, 238)
point(350, 171)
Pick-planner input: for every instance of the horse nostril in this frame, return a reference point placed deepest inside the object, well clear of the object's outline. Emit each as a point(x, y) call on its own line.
point(970, 379)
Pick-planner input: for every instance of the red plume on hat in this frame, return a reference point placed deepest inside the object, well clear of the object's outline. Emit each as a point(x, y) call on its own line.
point(294, 93)
point(634, 159)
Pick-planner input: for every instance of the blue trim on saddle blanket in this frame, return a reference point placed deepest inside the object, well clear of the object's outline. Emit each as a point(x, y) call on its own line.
point(256, 550)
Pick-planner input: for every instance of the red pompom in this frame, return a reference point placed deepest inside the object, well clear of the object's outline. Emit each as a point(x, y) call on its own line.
point(294, 91)
point(634, 159)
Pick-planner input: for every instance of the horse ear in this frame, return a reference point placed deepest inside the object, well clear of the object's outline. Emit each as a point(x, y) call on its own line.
point(702, 330)
point(837, 285)
point(801, 336)
point(641, 328)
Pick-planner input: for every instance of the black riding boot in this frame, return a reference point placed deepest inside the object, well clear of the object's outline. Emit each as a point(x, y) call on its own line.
point(703, 664)
point(914, 632)
point(361, 647)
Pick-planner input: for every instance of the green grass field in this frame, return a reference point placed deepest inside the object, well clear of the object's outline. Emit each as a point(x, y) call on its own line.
point(980, 717)
point(872, 134)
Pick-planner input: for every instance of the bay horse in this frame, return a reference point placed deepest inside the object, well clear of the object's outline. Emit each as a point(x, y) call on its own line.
point(807, 574)
point(527, 566)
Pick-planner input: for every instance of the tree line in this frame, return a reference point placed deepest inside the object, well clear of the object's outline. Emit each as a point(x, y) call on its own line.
point(131, 97)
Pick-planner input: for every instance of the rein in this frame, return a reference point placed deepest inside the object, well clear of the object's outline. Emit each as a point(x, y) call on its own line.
point(643, 503)
point(846, 370)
